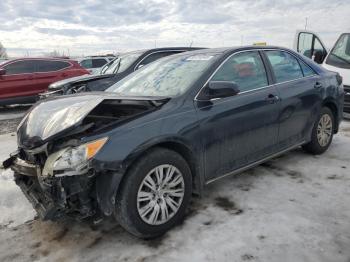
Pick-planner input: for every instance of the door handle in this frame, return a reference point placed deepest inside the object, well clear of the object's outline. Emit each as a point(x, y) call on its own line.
point(318, 85)
point(271, 98)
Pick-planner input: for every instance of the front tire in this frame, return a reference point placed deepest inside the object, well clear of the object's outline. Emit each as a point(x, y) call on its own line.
point(154, 194)
point(322, 133)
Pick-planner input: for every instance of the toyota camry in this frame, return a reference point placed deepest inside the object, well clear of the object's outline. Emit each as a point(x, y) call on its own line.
point(139, 151)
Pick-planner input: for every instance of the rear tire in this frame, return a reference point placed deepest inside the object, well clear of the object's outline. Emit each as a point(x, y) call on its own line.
point(155, 194)
point(322, 133)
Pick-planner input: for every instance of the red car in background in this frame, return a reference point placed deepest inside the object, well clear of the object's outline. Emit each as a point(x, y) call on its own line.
point(21, 80)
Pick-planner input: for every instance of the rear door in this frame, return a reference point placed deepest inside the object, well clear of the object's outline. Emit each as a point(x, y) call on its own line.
point(49, 71)
point(310, 45)
point(299, 88)
point(19, 79)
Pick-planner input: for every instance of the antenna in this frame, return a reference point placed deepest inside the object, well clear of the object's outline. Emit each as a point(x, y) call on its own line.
point(191, 43)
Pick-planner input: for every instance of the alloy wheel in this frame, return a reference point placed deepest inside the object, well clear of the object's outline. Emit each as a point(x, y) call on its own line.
point(160, 194)
point(324, 130)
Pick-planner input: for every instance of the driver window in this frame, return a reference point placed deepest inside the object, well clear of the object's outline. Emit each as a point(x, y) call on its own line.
point(245, 69)
point(21, 67)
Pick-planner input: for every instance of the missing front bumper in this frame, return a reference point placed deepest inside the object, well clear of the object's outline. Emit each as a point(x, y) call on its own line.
point(43, 205)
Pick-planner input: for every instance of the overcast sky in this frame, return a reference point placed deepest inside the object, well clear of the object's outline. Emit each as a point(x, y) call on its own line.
point(95, 27)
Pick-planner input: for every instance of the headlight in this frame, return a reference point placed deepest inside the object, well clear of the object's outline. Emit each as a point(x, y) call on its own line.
point(73, 160)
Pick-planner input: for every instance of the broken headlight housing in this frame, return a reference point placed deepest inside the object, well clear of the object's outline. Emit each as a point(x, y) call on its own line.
point(73, 160)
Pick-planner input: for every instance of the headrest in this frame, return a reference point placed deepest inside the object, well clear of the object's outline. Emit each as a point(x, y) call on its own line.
point(245, 69)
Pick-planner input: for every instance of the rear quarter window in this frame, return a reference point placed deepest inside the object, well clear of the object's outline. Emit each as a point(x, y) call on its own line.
point(307, 70)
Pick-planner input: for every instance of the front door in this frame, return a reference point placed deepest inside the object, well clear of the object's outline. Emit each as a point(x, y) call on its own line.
point(310, 45)
point(241, 129)
point(19, 79)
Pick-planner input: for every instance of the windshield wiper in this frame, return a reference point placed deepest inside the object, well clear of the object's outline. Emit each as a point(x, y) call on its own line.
point(341, 58)
point(116, 71)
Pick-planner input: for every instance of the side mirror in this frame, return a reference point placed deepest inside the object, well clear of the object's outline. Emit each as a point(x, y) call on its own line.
point(2, 71)
point(220, 89)
point(318, 56)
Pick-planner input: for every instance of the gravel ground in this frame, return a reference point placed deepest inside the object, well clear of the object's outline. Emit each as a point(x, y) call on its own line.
point(292, 208)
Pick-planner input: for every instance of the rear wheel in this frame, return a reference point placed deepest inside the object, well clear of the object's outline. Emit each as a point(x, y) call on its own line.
point(322, 133)
point(155, 194)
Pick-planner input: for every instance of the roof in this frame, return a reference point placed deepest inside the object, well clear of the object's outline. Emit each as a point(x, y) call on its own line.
point(39, 58)
point(164, 49)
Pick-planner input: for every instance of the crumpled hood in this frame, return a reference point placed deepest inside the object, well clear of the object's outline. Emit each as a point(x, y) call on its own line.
point(54, 117)
point(76, 79)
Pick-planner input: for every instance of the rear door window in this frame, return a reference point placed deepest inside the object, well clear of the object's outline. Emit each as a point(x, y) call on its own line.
point(50, 66)
point(285, 66)
point(245, 69)
point(20, 67)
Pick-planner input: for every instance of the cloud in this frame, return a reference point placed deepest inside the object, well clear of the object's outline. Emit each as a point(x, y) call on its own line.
point(64, 32)
point(93, 27)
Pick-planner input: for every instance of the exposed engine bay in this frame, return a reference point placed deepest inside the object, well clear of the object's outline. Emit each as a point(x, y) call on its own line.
point(53, 167)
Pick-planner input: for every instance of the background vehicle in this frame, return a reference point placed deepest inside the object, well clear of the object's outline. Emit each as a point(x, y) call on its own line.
point(121, 67)
point(94, 64)
point(139, 150)
point(337, 59)
point(21, 80)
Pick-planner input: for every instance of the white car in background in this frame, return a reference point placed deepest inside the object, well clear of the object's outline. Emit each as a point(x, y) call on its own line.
point(94, 64)
point(337, 59)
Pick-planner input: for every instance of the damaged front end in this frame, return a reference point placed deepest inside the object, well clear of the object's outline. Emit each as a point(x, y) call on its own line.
point(54, 164)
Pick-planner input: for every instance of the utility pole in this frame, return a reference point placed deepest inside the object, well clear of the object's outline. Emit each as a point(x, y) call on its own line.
point(306, 22)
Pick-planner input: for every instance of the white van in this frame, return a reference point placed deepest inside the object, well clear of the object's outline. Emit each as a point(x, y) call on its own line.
point(337, 59)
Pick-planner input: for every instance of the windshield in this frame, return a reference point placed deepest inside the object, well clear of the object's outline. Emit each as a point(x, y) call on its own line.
point(3, 61)
point(170, 76)
point(340, 54)
point(123, 62)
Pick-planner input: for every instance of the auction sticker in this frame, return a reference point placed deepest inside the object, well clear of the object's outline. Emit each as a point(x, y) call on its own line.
point(200, 58)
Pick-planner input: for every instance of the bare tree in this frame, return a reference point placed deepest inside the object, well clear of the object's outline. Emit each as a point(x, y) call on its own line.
point(3, 53)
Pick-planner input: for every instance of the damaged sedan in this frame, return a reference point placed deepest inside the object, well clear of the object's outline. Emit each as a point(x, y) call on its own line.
point(140, 150)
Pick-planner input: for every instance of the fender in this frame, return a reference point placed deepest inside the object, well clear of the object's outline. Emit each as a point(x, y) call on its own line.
point(108, 182)
point(192, 156)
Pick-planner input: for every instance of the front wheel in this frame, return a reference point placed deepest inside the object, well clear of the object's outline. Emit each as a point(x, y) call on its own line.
point(154, 194)
point(322, 133)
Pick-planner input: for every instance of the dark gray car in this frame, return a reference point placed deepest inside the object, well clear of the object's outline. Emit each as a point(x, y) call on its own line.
point(139, 150)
